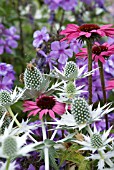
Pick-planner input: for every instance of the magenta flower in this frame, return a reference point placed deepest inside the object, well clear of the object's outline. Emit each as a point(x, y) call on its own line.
point(40, 36)
point(87, 30)
point(60, 51)
point(99, 52)
point(110, 85)
point(43, 105)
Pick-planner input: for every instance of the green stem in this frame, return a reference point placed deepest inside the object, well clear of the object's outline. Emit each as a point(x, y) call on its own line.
point(46, 150)
point(8, 163)
point(17, 122)
point(89, 49)
point(11, 113)
point(101, 70)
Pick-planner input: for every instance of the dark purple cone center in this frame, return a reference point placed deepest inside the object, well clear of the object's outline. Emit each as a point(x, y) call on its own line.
point(46, 102)
point(98, 49)
point(88, 27)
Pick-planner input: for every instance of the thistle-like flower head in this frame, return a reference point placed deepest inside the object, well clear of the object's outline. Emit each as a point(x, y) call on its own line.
point(82, 114)
point(8, 98)
point(96, 141)
point(80, 110)
point(71, 70)
point(32, 77)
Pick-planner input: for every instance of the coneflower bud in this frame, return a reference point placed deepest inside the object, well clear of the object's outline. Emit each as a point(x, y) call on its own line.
point(71, 70)
point(96, 141)
point(32, 78)
point(80, 110)
point(5, 98)
point(9, 147)
point(70, 89)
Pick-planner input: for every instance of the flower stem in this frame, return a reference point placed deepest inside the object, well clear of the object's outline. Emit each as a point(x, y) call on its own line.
point(17, 122)
point(46, 150)
point(89, 49)
point(8, 163)
point(15, 119)
point(101, 70)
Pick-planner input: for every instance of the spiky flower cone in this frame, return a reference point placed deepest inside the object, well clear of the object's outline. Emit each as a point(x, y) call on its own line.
point(5, 98)
point(71, 70)
point(80, 110)
point(96, 141)
point(9, 147)
point(7, 121)
point(70, 89)
point(32, 78)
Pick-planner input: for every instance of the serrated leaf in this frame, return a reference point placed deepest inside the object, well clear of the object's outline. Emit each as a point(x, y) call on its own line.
point(84, 165)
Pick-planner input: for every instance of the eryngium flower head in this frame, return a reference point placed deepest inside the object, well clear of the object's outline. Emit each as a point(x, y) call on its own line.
point(70, 89)
point(10, 147)
point(32, 77)
point(71, 70)
point(5, 98)
point(80, 110)
point(7, 121)
point(96, 141)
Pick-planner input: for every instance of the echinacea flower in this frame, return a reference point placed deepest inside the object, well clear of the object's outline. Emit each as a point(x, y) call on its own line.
point(110, 85)
point(87, 31)
point(44, 105)
point(99, 52)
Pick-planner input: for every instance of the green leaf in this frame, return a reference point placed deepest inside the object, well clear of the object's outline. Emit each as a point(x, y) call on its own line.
point(49, 142)
point(52, 156)
point(84, 165)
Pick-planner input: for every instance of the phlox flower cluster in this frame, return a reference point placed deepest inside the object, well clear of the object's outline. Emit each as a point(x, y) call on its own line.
point(7, 76)
point(8, 39)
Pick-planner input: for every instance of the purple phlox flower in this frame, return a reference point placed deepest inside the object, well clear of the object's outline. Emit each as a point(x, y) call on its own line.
point(110, 40)
point(37, 131)
point(100, 3)
point(3, 69)
point(97, 89)
point(53, 4)
point(109, 67)
point(42, 167)
point(11, 33)
point(101, 125)
point(75, 45)
point(5, 83)
point(88, 2)
point(68, 4)
point(60, 51)
point(31, 167)
point(7, 76)
point(6, 45)
point(40, 36)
